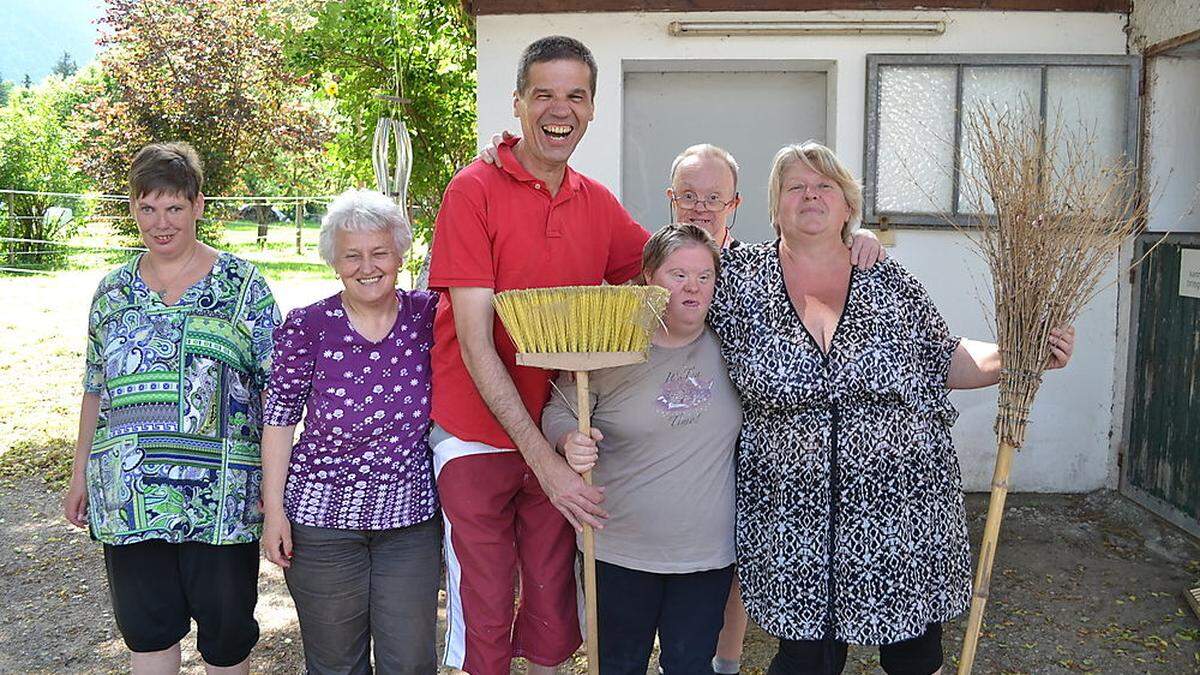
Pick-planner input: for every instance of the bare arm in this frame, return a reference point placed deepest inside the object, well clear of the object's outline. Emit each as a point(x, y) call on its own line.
point(974, 365)
point(473, 321)
point(977, 364)
point(75, 505)
point(276, 455)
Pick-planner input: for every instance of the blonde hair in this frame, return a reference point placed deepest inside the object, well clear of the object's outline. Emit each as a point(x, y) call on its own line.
point(673, 237)
point(706, 150)
point(821, 159)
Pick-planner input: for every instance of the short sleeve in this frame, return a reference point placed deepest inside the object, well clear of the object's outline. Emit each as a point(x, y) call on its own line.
point(262, 318)
point(934, 343)
point(421, 306)
point(291, 372)
point(461, 255)
point(93, 371)
point(625, 251)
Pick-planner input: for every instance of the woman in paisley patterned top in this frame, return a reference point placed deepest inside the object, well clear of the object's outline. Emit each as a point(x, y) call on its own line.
point(850, 517)
point(167, 465)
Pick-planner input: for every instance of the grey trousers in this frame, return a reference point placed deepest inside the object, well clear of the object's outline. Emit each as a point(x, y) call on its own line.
point(352, 587)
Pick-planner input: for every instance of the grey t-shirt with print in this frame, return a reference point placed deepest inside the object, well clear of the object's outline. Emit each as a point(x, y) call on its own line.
point(670, 430)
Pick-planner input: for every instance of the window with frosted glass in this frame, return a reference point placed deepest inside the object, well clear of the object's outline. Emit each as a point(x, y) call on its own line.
point(918, 166)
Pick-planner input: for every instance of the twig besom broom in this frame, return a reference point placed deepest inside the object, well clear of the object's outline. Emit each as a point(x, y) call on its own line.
point(580, 329)
point(1060, 217)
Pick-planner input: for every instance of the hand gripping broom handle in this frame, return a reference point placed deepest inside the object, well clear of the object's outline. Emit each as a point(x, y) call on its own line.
point(987, 555)
point(589, 536)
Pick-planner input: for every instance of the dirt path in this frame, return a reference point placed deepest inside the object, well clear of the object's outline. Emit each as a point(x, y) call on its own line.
point(1083, 583)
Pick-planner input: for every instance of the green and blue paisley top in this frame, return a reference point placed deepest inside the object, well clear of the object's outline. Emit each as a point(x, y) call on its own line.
point(176, 454)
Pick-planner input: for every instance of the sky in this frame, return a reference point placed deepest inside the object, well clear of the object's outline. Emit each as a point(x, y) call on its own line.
point(35, 33)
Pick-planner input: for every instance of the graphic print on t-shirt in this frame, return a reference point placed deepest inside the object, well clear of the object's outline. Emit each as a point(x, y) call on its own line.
point(684, 395)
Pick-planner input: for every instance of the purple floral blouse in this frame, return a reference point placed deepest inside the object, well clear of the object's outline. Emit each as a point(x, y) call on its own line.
point(363, 460)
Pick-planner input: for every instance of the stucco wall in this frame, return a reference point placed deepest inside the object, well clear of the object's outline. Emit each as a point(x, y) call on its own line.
point(1153, 21)
point(1068, 447)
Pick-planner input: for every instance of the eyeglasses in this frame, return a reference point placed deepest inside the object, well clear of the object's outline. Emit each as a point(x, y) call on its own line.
point(689, 200)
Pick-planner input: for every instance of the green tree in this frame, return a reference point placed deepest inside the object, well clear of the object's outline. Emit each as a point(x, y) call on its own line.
point(5, 88)
point(66, 66)
point(203, 71)
point(36, 146)
point(349, 51)
point(27, 83)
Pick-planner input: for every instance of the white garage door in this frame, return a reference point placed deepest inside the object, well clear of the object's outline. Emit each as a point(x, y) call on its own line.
point(751, 114)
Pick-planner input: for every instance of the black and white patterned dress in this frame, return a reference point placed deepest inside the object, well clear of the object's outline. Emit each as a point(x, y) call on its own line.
point(850, 519)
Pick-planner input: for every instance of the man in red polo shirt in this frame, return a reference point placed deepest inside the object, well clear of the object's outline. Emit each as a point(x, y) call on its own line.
point(509, 500)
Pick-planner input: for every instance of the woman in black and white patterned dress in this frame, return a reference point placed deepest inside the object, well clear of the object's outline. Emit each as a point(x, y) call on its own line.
point(850, 521)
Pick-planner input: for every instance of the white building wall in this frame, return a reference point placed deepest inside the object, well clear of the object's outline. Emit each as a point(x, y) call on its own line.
point(1068, 447)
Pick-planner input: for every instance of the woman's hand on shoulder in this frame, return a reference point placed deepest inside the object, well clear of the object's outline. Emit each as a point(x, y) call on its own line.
point(581, 451)
point(491, 153)
point(1062, 344)
point(277, 538)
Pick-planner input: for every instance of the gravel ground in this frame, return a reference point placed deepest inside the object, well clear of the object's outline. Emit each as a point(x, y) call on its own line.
point(1083, 583)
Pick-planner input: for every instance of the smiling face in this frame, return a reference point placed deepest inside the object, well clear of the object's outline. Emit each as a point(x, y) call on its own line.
point(554, 110)
point(367, 263)
point(689, 273)
point(811, 203)
point(167, 222)
point(704, 178)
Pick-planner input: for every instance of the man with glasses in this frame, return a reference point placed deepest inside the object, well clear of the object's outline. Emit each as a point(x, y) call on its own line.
point(703, 191)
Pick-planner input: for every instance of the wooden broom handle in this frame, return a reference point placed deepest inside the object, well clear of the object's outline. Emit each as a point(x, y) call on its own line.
point(987, 556)
point(589, 536)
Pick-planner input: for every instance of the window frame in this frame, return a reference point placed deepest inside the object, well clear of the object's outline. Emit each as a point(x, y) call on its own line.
point(923, 220)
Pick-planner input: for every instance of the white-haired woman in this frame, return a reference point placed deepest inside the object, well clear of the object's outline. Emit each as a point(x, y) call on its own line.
point(850, 524)
point(350, 508)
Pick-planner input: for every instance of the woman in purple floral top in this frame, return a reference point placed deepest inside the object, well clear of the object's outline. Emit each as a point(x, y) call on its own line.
point(350, 507)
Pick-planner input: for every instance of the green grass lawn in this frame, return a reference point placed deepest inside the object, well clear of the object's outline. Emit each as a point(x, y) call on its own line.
point(44, 326)
point(277, 257)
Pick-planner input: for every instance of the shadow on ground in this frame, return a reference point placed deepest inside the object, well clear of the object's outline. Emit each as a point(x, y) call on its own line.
point(1083, 583)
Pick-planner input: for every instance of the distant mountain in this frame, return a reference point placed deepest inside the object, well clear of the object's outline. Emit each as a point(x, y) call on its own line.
point(35, 33)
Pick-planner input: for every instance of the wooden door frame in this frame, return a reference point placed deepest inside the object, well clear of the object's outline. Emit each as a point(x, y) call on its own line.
point(1156, 505)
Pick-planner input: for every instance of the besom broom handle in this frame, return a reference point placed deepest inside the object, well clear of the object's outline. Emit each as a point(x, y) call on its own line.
point(987, 556)
point(589, 536)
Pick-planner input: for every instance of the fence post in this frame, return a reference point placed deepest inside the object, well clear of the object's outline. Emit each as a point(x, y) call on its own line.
point(299, 224)
point(12, 230)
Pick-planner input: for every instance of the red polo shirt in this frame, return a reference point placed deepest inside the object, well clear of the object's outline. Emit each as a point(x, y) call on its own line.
point(499, 228)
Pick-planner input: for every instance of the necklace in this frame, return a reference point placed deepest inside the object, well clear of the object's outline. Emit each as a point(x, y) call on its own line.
point(164, 284)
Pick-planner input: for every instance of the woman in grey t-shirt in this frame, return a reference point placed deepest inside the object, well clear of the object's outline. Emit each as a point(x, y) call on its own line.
point(666, 460)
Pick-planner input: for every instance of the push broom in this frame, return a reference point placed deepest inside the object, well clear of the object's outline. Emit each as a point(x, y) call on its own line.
point(1060, 218)
point(581, 329)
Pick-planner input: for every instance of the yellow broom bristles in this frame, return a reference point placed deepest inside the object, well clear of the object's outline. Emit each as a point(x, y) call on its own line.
point(582, 319)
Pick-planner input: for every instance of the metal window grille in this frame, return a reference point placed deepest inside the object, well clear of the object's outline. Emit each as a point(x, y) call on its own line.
point(920, 99)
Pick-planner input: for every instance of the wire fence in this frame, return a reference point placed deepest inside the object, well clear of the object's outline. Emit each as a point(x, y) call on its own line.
point(41, 232)
point(89, 231)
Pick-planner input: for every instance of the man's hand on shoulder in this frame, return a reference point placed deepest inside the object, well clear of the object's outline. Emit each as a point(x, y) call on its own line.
point(865, 249)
